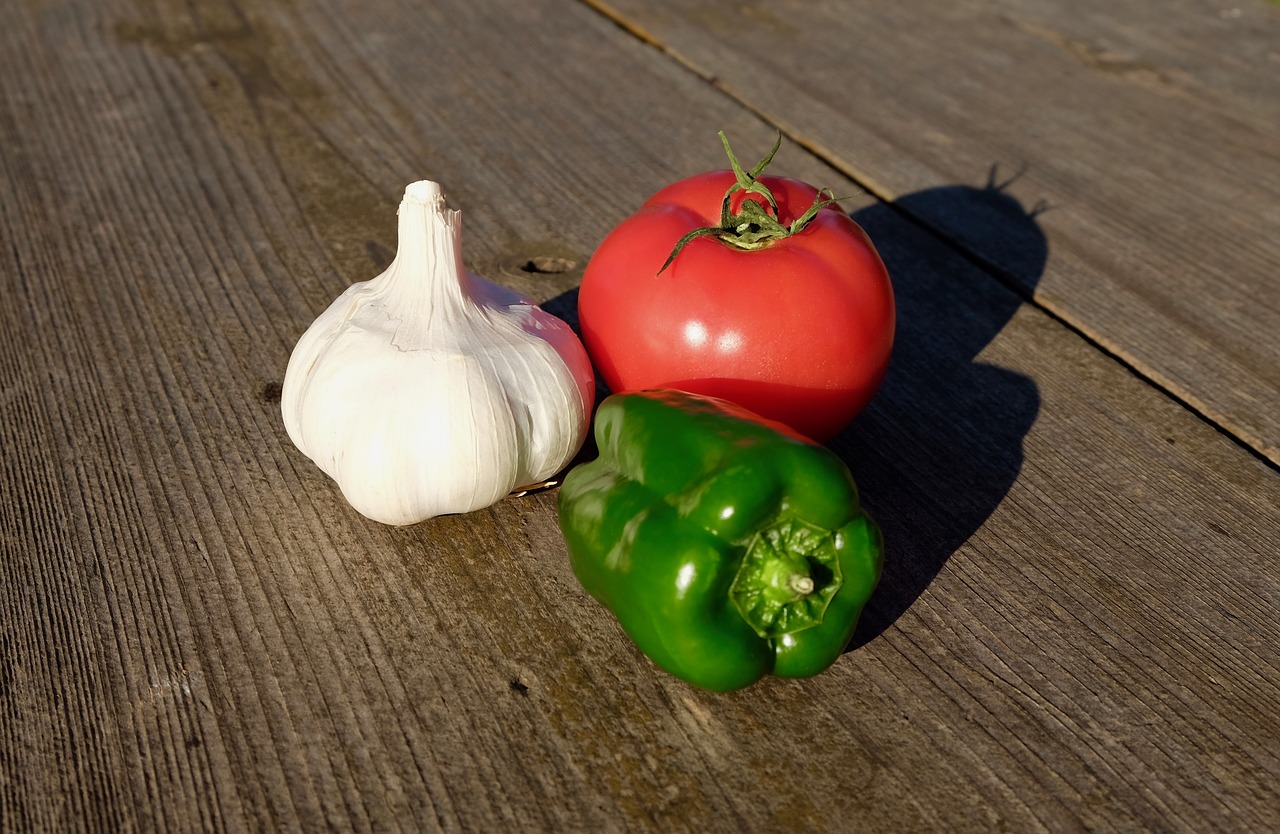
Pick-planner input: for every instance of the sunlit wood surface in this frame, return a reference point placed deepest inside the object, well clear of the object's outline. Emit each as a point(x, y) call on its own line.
point(1074, 457)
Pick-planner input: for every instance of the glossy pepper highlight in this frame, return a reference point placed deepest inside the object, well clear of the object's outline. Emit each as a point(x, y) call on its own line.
point(727, 546)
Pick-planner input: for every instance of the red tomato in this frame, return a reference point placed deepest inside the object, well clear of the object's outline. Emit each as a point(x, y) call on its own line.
point(799, 331)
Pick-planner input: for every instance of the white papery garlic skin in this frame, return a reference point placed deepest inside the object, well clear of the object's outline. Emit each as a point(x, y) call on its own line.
point(429, 390)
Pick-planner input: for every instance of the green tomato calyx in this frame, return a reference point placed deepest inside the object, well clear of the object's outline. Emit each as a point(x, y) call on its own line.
point(754, 225)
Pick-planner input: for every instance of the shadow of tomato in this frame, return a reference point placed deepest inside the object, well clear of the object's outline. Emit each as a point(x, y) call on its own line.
point(941, 445)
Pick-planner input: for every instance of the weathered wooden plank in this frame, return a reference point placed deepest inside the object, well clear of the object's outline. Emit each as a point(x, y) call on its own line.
point(1147, 130)
point(1077, 625)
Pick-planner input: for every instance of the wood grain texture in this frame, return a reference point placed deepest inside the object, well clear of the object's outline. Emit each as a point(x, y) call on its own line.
point(1145, 130)
point(1077, 626)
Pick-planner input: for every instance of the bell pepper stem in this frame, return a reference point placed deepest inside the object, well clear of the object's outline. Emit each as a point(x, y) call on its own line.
point(788, 575)
point(801, 584)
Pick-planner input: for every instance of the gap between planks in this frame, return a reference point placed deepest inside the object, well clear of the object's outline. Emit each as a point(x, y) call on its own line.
point(884, 195)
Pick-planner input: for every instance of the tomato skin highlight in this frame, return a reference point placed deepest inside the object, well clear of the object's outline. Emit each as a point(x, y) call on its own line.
point(799, 331)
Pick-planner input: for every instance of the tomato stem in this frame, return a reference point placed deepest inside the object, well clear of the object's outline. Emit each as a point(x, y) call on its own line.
point(747, 182)
point(752, 226)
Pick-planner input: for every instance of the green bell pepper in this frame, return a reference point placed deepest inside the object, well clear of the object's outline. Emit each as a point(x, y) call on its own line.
point(728, 547)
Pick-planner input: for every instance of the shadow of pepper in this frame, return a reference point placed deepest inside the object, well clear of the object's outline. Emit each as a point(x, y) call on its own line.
point(941, 445)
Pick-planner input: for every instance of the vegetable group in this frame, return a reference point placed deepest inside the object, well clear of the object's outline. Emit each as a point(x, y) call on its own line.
point(429, 390)
point(742, 318)
point(728, 548)
point(755, 289)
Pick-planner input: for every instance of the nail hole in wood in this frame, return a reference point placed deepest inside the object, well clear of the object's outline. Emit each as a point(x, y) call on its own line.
point(547, 265)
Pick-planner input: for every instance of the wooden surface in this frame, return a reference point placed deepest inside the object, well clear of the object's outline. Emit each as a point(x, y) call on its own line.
point(1073, 456)
point(1145, 133)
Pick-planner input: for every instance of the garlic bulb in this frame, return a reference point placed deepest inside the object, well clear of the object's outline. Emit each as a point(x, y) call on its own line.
point(429, 390)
